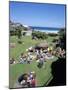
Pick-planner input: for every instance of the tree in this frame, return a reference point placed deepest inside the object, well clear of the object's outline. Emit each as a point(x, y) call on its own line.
point(19, 34)
point(62, 38)
point(39, 35)
point(19, 29)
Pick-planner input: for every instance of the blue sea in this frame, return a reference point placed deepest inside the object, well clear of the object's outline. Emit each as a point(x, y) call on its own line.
point(46, 29)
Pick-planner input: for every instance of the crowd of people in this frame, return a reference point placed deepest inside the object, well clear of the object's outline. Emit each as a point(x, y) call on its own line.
point(60, 52)
point(31, 54)
point(27, 79)
point(26, 58)
point(40, 55)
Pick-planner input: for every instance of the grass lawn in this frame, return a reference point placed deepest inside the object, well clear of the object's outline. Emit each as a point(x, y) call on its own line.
point(43, 74)
point(19, 48)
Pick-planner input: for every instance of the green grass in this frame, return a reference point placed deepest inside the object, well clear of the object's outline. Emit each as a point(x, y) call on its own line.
point(15, 52)
point(16, 70)
point(42, 74)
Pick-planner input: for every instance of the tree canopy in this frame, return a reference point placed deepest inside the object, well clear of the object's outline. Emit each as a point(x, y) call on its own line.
point(62, 38)
point(39, 35)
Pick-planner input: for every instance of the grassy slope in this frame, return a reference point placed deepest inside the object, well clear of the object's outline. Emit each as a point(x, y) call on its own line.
point(15, 52)
point(43, 74)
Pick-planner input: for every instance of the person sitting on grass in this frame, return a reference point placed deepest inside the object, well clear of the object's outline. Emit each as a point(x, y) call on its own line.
point(33, 82)
point(27, 79)
point(41, 62)
point(29, 58)
point(12, 61)
point(32, 79)
point(23, 79)
point(22, 58)
point(62, 53)
point(38, 55)
point(30, 76)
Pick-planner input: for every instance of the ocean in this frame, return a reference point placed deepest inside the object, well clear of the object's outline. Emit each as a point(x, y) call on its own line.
point(46, 29)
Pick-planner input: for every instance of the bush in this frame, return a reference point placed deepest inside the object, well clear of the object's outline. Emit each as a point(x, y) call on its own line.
point(39, 35)
point(62, 38)
point(52, 34)
point(19, 41)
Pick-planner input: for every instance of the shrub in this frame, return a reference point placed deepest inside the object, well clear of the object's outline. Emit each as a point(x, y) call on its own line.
point(39, 35)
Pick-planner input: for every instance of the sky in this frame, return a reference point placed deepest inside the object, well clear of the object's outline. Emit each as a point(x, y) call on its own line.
point(38, 14)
